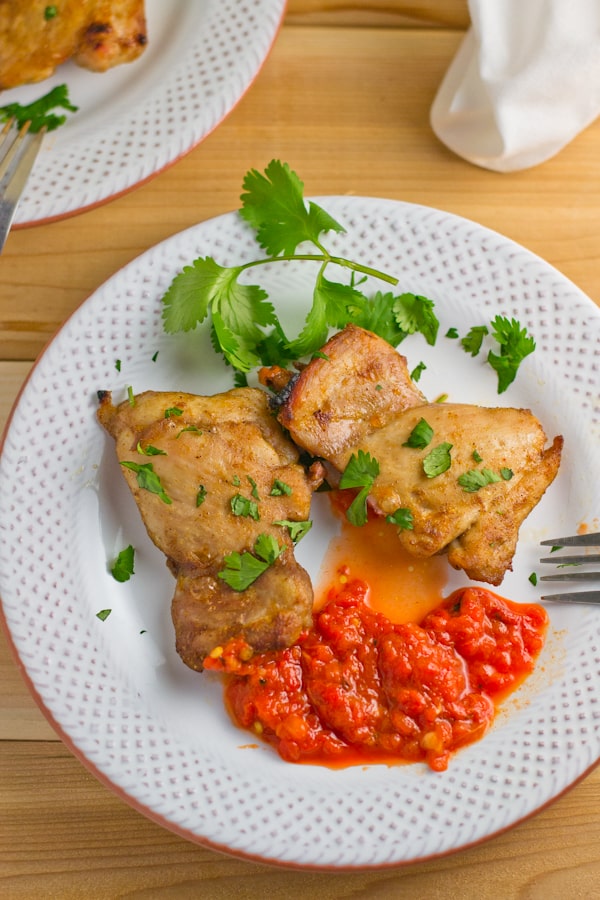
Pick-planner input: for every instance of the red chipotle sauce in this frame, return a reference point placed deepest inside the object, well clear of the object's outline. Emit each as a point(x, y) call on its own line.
point(360, 689)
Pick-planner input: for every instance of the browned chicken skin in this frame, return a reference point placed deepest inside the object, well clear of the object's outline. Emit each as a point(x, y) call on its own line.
point(359, 396)
point(36, 37)
point(220, 446)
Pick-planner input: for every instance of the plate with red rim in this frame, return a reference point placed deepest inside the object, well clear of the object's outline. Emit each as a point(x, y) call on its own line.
point(139, 118)
point(157, 733)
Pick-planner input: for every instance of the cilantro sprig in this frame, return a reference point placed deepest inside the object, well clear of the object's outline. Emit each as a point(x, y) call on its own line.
point(39, 113)
point(244, 325)
point(513, 341)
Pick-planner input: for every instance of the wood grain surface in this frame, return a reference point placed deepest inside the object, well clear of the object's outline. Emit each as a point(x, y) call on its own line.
point(344, 98)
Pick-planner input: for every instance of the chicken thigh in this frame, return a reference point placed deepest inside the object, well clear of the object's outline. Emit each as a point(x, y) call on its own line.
point(358, 396)
point(210, 475)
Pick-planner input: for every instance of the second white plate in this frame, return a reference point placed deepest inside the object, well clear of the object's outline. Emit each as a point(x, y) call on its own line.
point(137, 119)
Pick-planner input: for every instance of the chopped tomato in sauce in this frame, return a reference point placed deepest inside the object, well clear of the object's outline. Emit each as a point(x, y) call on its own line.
point(358, 688)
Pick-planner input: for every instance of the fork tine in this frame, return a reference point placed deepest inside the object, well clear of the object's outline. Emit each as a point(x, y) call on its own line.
point(575, 597)
point(574, 540)
point(571, 576)
point(13, 147)
point(579, 560)
point(15, 167)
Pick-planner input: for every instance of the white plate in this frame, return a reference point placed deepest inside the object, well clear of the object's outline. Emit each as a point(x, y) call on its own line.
point(137, 119)
point(156, 732)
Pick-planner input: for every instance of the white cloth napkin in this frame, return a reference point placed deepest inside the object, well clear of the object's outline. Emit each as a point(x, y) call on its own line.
point(525, 81)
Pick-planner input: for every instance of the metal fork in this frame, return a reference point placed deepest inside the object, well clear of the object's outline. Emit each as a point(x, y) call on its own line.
point(18, 150)
point(568, 561)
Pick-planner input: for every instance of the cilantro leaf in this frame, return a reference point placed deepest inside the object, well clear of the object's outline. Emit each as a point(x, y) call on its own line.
point(267, 548)
point(414, 313)
point(279, 488)
point(274, 205)
point(402, 517)
point(361, 471)
point(420, 436)
point(475, 479)
point(242, 569)
point(329, 308)
point(418, 371)
point(122, 568)
point(205, 285)
point(150, 450)
point(377, 315)
point(515, 344)
point(473, 340)
point(437, 460)
point(243, 506)
point(147, 479)
point(39, 112)
point(103, 614)
point(297, 530)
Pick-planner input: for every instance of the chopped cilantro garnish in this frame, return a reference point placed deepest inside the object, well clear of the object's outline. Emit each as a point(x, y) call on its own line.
point(297, 530)
point(474, 339)
point(39, 112)
point(420, 437)
point(243, 506)
point(118, 365)
point(279, 488)
point(452, 333)
point(193, 429)
point(402, 517)
point(418, 371)
point(477, 457)
point(438, 460)
point(201, 495)
point(506, 474)
point(50, 12)
point(103, 614)
point(122, 568)
point(150, 450)
point(254, 487)
point(173, 411)
point(130, 396)
point(242, 569)
point(361, 472)
point(515, 345)
point(475, 479)
point(147, 479)
point(533, 578)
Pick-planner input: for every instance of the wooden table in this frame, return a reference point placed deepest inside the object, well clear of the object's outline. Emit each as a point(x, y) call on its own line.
point(344, 97)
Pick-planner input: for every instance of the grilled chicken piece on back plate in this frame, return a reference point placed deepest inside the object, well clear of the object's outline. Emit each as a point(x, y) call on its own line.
point(36, 37)
point(359, 396)
point(223, 473)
